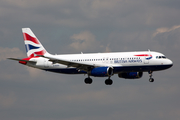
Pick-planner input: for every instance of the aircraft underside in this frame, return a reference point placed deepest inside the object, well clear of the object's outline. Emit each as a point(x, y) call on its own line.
point(116, 70)
point(127, 72)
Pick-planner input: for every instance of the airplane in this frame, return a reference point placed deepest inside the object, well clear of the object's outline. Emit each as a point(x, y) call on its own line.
point(128, 65)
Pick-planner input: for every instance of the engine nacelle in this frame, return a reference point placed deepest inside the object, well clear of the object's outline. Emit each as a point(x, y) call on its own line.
point(102, 71)
point(131, 75)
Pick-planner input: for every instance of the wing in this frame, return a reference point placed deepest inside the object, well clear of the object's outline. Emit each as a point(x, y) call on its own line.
point(80, 66)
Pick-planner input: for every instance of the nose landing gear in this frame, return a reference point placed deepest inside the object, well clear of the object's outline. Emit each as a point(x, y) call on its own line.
point(150, 75)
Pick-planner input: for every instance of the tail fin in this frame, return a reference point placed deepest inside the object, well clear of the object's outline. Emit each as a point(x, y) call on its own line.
point(32, 44)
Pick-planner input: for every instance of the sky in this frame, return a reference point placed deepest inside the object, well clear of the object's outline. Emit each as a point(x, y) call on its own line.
point(88, 26)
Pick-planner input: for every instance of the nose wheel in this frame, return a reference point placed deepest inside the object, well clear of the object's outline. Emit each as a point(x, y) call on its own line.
point(150, 75)
point(151, 79)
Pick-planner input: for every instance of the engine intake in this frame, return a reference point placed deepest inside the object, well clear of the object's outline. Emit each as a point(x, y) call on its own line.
point(131, 75)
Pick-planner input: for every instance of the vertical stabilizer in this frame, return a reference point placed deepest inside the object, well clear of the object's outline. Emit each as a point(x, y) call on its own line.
point(32, 44)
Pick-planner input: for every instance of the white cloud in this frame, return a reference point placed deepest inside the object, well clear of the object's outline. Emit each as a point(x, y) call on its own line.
point(16, 53)
point(35, 72)
point(10, 53)
point(83, 41)
point(165, 29)
point(108, 48)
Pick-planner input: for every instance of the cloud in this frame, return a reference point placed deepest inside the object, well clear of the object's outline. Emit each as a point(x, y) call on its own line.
point(84, 41)
point(16, 53)
point(6, 101)
point(108, 48)
point(33, 72)
point(164, 29)
point(10, 53)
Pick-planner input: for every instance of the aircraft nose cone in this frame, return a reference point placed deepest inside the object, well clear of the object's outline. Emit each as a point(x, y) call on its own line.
point(170, 63)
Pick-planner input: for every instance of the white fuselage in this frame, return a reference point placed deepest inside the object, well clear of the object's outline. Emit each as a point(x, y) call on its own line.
point(130, 61)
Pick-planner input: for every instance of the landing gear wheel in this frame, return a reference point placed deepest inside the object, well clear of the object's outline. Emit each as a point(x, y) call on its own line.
point(150, 75)
point(108, 82)
point(151, 79)
point(88, 80)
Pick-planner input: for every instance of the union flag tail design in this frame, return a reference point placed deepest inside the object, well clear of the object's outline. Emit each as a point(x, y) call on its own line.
point(32, 44)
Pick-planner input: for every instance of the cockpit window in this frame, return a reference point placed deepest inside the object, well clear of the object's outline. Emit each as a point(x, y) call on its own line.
point(160, 57)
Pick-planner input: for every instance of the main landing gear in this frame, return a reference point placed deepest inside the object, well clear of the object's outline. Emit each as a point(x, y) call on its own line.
point(88, 80)
point(150, 75)
point(108, 81)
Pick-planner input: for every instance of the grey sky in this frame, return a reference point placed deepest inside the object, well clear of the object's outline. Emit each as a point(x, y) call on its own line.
point(72, 26)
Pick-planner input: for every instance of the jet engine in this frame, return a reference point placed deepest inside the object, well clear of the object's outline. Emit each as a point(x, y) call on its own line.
point(102, 71)
point(130, 75)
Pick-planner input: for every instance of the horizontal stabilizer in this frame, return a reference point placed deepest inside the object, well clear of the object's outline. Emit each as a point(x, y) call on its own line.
point(21, 60)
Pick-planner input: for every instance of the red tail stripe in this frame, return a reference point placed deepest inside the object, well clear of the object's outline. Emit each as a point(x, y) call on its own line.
point(38, 53)
point(31, 56)
point(30, 38)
